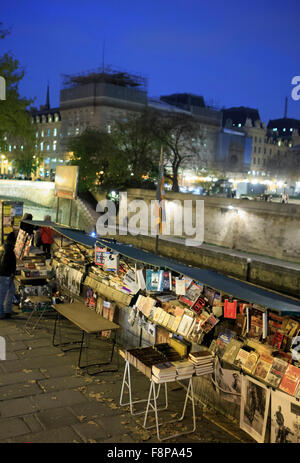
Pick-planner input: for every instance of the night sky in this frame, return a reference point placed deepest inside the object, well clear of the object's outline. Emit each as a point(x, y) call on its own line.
point(234, 53)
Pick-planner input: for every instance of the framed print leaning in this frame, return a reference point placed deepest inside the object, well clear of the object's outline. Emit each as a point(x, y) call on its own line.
point(285, 418)
point(255, 402)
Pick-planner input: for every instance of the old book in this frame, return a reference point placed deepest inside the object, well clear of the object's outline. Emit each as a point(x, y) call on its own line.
point(290, 380)
point(171, 323)
point(240, 324)
point(251, 362)
point(162, 335)
point(263, 366)
point(148, 305)
point(179, 346)
point(180, 288)
point(192, 294)
point(290, 327)
point(209, 323)
point(165, 369)
point(166, 319)
point(185, 325)
point(157, 314)
point(161, 317)
point(241, 358)
point(276, 372)
point(232, 350)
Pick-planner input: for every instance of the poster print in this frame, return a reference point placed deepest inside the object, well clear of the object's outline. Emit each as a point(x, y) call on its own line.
point(285, 419)
point(227, 383)
point(254, 408)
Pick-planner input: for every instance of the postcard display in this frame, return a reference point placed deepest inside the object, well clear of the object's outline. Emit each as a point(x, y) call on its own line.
point(11, 213)
point(252, 348)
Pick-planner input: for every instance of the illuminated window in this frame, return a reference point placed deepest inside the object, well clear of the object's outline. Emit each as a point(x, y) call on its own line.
point(54, 146)
point(284, 130)
point(9, 147)
point(49, 132)
point(42, 145)
point(55, 132)
point(274, 130)
point(109, 128)
point(42, 133)
point(291, 130)
point(36, 134)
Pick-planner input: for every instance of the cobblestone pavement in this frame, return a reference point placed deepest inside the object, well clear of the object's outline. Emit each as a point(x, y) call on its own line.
point(46, 398)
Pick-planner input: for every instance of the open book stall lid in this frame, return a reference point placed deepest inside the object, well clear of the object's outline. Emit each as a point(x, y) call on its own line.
point(229, 285)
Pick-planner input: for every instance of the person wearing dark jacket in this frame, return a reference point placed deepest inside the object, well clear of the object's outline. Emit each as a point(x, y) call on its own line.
point(27, 227)
point(7, 273)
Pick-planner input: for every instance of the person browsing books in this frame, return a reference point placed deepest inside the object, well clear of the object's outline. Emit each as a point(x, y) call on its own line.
point(46, 235)
point(7, 273)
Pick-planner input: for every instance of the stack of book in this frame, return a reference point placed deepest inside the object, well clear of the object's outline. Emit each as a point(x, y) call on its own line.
point(170, 353)
point(202, 361)
point(163, 372)
point(185, 369)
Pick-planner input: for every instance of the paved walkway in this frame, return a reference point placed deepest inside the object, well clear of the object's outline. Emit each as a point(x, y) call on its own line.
point(45, 398)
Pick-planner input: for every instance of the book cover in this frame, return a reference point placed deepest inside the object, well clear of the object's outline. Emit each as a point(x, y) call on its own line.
point(192, 294)
point(176, 322)
point(276, 372)
point(166, 319)
point(171, 322)
point(141, 279)
point(241, 358)
point(161, 317)
point(180, 287)
point(209, 323)
point(232, 350)
point(240, 324)
point(290, 380)
point(164, 368)
point(111, 262)
point(154, 280)
point(167, 281)
point(185, 325)
point(230, 309)
point(263, 366)
point(251, 362)
point(148, 306)
point(99, 255)
point(157, 314)
point(130, 282)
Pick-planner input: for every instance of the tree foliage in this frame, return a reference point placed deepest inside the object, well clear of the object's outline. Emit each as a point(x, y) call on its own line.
point(138, 144)
point(15, 120)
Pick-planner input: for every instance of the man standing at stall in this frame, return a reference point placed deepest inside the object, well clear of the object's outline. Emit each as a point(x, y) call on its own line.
point(7, 273)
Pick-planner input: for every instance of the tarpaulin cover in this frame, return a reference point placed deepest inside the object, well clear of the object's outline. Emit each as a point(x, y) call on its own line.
point(229, 285)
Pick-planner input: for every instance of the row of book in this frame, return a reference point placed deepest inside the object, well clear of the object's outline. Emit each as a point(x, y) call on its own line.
point(198, 363)
point(260, 360)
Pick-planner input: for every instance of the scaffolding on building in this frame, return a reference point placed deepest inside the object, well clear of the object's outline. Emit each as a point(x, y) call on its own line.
point(105, 74)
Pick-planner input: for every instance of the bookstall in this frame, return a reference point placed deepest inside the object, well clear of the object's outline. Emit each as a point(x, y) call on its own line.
point(252, 333)
point(33, 277)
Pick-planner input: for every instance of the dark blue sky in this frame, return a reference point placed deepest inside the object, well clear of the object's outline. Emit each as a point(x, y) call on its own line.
point(231, 52)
